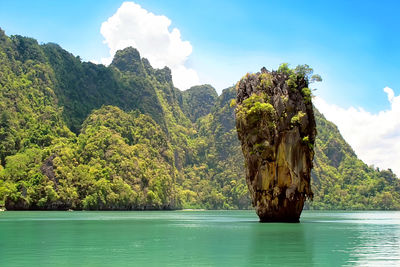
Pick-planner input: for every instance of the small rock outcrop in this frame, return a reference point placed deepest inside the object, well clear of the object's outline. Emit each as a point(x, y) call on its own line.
point(276, 126)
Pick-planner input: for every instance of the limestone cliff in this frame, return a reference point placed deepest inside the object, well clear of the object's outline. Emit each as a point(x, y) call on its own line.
point(276, 126)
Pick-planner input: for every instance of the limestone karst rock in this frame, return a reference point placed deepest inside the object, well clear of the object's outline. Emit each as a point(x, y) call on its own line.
point(276, 126)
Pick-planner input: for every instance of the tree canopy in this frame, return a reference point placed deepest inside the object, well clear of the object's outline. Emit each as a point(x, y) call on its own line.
point(76, 135)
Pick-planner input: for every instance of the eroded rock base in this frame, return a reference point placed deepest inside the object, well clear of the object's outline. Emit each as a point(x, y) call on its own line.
point(276, 127)
point(281, 210)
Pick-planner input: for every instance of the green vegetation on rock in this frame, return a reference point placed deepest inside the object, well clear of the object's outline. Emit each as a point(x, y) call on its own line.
point(342, 181)
point(83, 136)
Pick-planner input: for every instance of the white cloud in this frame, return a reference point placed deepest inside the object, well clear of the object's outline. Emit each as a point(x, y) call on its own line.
point(374, 137)
point(134, 26)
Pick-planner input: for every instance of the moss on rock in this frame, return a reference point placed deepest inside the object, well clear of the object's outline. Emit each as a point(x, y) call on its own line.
point(276, 127)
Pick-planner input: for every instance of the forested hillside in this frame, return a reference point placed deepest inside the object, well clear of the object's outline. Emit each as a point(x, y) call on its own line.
point(76, 135)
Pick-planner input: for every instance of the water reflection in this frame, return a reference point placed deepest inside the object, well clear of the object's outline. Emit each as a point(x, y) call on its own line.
point(378, 243)
point(206, 238)
point(355, 238)
point(280, 244)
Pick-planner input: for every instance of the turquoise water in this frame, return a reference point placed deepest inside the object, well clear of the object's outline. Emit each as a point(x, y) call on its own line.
point(198, 238)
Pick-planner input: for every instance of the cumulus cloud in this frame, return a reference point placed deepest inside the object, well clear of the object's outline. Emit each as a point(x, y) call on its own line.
point(134, 26)
point(374, 137)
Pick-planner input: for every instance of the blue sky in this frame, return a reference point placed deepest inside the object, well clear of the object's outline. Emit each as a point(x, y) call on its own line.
point(353, 45)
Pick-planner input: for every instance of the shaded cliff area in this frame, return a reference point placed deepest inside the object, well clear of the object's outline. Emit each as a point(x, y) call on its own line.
point(76, 135)
point(276, 126)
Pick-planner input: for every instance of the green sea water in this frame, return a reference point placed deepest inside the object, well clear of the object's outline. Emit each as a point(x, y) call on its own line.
point(198, 238)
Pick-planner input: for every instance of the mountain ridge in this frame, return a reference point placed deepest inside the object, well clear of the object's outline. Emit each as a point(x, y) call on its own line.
point(84, 136)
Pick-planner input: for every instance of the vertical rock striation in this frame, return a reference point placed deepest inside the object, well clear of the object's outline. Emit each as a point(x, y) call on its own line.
point(276, 126)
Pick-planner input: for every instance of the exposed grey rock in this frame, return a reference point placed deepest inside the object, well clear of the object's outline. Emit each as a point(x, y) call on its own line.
point(276, 127)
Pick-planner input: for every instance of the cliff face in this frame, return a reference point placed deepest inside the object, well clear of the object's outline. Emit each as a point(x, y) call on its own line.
point(139, 143)
point(276, 126)
point(198, 101)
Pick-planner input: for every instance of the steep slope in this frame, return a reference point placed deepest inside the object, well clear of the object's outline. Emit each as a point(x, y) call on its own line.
point(84, 136)
point(339, 179)
point(215, 178)
point(29, 111)
point(119, 160)
point(342, 181)
point(81, 87)
point(198, 100)
point(276, 127)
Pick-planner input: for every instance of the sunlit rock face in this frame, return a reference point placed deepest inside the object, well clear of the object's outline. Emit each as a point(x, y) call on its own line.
point(276, 127)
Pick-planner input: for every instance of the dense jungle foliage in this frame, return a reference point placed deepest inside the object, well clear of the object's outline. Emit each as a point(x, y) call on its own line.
point(76, 135)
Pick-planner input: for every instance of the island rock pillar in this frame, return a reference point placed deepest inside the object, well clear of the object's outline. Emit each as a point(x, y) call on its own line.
point(276, 127)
